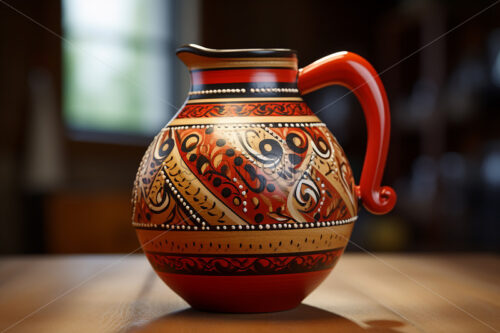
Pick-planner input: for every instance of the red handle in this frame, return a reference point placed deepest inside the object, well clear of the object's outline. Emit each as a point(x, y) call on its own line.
point(355, 73)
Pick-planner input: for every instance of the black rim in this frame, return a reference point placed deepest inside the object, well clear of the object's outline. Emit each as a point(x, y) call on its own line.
point(236, 53)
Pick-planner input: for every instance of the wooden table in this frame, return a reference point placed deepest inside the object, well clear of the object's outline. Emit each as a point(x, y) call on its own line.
point(365, 293)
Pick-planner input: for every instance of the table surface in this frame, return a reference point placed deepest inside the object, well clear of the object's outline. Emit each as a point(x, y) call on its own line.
point(364, 293)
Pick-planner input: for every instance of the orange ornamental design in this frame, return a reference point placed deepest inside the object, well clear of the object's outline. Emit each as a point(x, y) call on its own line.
point(246, 183)
point(223, 175)
point(245, 110)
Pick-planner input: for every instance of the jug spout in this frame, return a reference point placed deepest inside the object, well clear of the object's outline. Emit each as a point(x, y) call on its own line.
point(197, 57)
point(240, 73)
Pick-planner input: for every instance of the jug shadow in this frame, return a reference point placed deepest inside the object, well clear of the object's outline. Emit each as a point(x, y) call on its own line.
point(301, 319)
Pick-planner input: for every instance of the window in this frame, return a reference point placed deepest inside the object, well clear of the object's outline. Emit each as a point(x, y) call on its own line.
point(118, 64)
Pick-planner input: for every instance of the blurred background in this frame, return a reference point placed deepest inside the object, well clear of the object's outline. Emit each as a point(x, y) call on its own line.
point(86, 84)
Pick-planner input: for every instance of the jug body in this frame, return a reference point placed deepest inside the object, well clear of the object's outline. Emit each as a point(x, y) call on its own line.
point(245, 201)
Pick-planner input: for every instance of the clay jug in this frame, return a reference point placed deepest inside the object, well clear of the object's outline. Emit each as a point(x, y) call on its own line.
point(245, 201)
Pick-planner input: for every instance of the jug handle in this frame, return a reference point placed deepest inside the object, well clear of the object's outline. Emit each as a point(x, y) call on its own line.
point(355, 73)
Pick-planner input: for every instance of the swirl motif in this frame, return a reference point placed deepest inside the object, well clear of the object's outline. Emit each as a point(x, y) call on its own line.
point(238, 174)
point(270, 151)
point(307, 194)
point(148, 177)
point(163, 149)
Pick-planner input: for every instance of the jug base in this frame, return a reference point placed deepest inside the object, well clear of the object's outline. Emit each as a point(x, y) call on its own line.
point(244, 294)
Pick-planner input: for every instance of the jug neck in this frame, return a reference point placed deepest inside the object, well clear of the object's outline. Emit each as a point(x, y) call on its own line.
point(252, 73)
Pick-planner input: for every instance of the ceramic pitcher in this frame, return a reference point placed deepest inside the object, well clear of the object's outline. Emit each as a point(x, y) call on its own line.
point(245, 201)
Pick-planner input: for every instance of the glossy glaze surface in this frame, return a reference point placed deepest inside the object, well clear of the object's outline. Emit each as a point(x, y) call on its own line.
point(246, 187)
